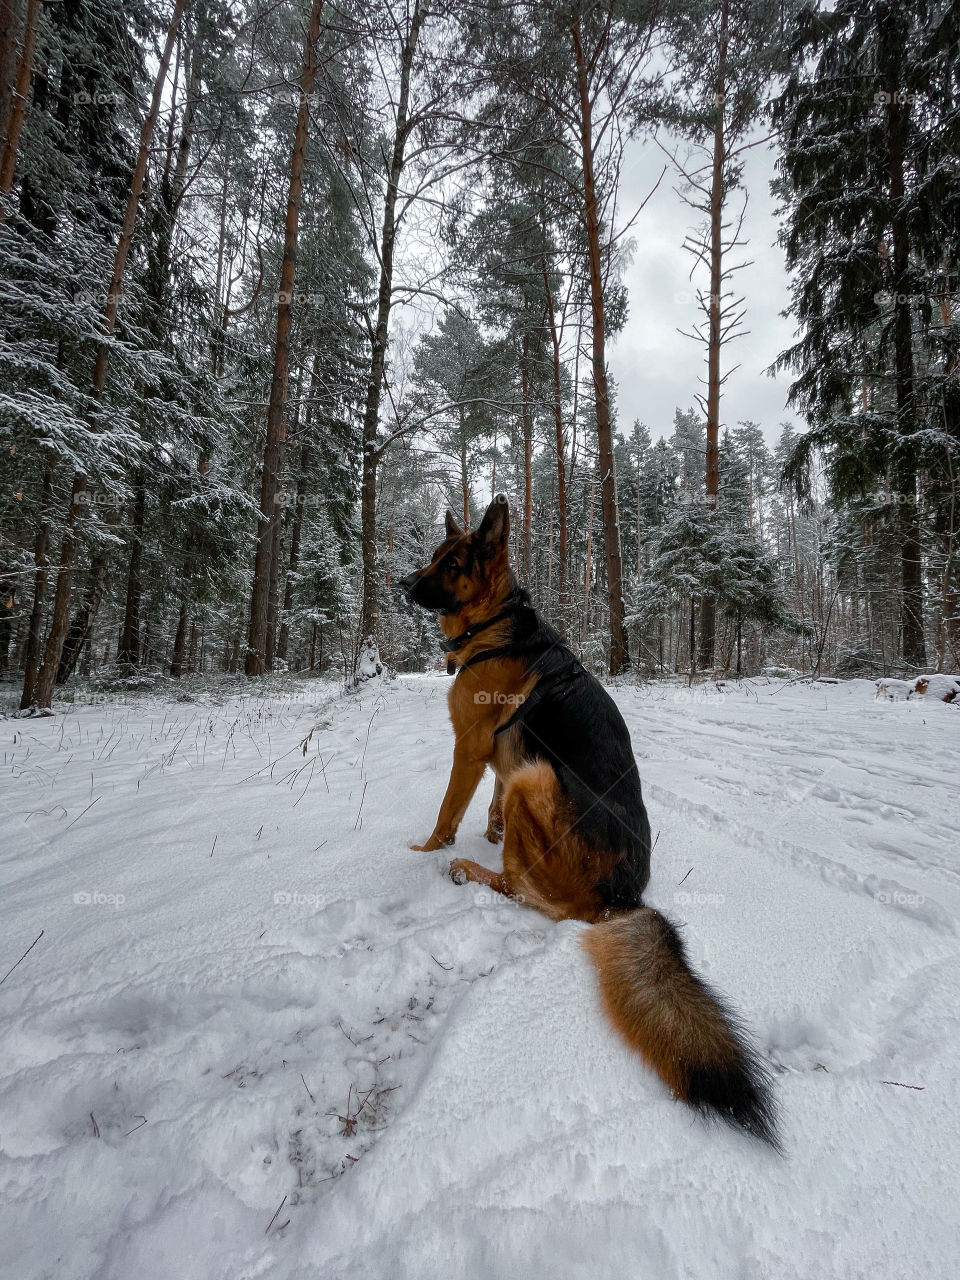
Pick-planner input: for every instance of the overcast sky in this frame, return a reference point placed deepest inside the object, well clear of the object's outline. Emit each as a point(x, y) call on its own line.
point(655, 367)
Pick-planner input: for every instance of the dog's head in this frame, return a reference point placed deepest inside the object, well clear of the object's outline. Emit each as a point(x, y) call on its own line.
point(467, 568)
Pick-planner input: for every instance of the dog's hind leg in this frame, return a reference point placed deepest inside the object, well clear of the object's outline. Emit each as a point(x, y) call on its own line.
point(463, 869)
point(543, 861)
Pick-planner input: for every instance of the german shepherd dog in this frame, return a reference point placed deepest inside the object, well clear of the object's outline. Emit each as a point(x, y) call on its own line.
point(568, 807)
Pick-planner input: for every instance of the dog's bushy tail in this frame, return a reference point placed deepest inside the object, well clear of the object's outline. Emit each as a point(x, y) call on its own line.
point(661, 1008)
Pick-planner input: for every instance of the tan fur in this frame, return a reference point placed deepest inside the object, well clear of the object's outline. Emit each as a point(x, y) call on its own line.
point(654, 1002)
point(545, 864)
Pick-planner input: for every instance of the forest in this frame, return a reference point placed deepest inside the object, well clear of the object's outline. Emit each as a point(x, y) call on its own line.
point(280, 284)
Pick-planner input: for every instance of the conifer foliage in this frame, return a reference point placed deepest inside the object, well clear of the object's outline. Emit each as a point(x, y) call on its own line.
point(281, 284)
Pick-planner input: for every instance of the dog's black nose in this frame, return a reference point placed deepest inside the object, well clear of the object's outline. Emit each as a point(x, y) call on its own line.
point(406, 583)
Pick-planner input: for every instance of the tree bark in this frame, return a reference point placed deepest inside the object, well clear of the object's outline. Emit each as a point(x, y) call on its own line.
point(559, 443)
point(295, 532)
point(464, 477)
point(619, 651)
point(79, 631)
point(21, 96)
point(526, 422)
point(708, 608)
point(273, 606)
point(128, 650)
point(47, 676)
point(256, 655)
point(11, 32)
point(41, 573)
point(180, 644)
point(911, 555)
point(369, 616)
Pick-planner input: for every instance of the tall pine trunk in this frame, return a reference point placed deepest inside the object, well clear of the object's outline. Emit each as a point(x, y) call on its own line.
point(41, 573)
point(369, 616)
point(60, 621)
point(128, 650)
point(559, 443)
point(267, 539)
point(283, 640)
point(708, 607)
point(17, 111)
point(81, 624)
point(619, 652)
point(11, 34)
point(911, 555)
point(526, 420)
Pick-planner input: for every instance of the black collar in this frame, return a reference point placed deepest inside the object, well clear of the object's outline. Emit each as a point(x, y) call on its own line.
point(457, 642)
point(513, 602)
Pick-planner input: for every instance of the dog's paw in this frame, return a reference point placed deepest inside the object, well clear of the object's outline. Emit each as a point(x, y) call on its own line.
point(458, 871)
point(430, 845)
point(494, 832)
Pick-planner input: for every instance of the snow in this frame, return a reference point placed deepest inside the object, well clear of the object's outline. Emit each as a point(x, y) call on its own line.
point(259, 1036)
point(945, 688)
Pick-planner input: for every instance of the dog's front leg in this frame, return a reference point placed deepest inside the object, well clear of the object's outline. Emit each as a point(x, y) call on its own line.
point(464, 779)
point(494, 832)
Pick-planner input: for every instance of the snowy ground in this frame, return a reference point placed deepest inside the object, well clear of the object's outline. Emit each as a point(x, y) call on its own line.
point(261, 1037)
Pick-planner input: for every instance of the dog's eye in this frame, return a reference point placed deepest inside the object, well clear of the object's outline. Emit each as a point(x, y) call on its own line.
point(454, 564)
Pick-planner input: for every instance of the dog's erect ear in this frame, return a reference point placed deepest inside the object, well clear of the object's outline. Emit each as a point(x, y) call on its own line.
point(453, 529)
point(495, 526)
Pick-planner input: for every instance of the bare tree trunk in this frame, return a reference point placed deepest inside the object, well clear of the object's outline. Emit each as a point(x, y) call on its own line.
point(256, 656)
point(587, 570)
point(295, 532)
point(708, 608)
point(11, 32)
point(46, 677)
point(21, 96)
point(79, 630)
point(619, 651)
point(464, 476)
point(180, 644)
point(559, 443)
point(41, 573)
point(273, 607)
point(693, 638)
point(128, 651)
point(526, 423)
point(911, 555)
point(237, 640)
point(369, 616)
point(192, 650)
